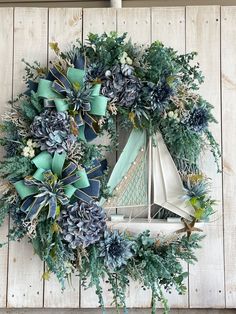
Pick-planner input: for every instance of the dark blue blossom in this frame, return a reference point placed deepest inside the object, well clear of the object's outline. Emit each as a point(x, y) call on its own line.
point(115, 249)
point(156, 96)
point(198, 119)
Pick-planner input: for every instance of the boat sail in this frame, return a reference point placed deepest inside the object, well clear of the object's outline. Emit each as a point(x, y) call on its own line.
point(145, 175)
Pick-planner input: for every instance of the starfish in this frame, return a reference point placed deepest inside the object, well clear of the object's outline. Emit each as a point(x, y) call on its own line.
point(189, 227)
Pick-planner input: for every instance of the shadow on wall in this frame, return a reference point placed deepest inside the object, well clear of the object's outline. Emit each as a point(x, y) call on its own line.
point(113, 311)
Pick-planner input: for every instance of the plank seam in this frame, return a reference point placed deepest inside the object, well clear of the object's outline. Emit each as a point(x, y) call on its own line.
point(185, 48)
point(222, 159)
point(47, 57)
point(12, 81)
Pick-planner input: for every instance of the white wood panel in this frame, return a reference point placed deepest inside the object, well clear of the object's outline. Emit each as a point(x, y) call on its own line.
point(166, 23)
point(136, 22)
point(228, 48)
point(65, 26)
point(6, 53)
point(206, 282)
point(25, 286)
point(92, 24)
point(98, 21)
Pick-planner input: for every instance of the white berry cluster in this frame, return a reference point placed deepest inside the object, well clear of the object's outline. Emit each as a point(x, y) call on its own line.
point(28, 150)
point(125, 59)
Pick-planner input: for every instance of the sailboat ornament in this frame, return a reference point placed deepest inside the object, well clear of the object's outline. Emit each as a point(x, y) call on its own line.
point(145, 175)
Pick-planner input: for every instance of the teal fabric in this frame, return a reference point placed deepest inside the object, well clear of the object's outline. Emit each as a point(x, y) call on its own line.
point(136, 141)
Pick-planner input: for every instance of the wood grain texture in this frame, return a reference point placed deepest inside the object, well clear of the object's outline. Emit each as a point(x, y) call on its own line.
point(166, 23)
point(228, 48)
point(136, 22)
point(25, 286)
point(206, 281)
point(65, 27)
point(98, 21)
point(6, 53)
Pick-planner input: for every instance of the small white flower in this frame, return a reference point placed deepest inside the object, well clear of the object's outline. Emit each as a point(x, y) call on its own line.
point(29, 143)
point(129, 61)
point(123, 58)
point(25, 154)
point(175, 115)
point(31, 153)
point(26, 149)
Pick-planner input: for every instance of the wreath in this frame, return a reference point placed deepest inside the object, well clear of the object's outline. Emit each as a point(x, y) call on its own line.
point(55, 175)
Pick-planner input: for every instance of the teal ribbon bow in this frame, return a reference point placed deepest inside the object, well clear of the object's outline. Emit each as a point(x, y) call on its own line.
point(54, 182)
point(55, 93)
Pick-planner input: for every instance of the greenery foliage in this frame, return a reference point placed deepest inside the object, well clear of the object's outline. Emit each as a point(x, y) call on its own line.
point(150, 88)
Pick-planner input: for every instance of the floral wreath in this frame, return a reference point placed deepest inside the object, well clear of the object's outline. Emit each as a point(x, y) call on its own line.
point(54, 176)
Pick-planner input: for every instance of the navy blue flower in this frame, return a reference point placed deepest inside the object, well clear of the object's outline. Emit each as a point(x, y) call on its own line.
point(198, 119)
point(115, 249)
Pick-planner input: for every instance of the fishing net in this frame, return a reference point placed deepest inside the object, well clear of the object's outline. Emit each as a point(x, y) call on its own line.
point(132, 189)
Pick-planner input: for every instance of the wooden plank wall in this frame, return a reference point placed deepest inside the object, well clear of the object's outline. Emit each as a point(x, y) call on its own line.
point(209, 30)
point(106, 3)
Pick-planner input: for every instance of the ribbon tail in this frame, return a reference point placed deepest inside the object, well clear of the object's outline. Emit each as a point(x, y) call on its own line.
point(32, 86)
point(60, 77)
point(93, 189)
point(52, 203)
point(27, 203)
point(35, 207)
point(83, 196)
point(89, 131)
point(98, 169)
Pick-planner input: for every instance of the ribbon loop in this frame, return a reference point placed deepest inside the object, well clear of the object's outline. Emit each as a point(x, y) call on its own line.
point(54, 182)
point(55, 92)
